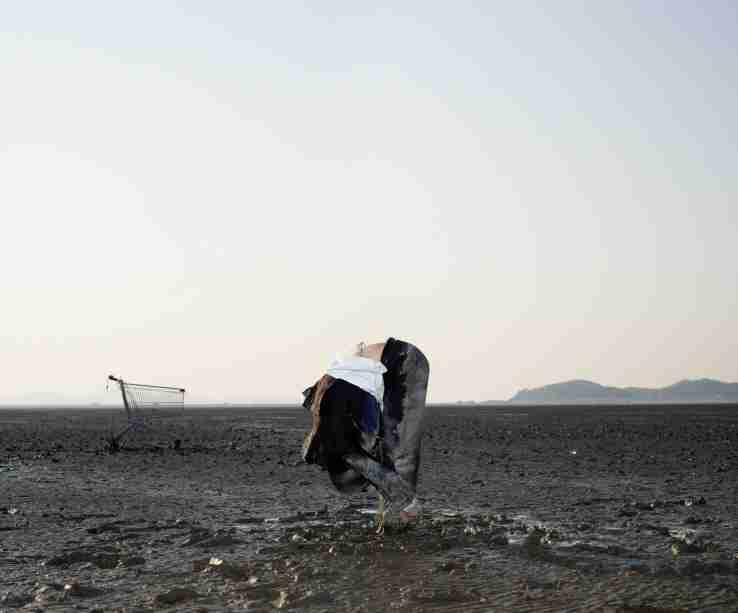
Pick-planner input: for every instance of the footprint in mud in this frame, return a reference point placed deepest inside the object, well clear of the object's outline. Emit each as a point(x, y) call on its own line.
point(204, 538)
point(176, 596)
point(104, 558)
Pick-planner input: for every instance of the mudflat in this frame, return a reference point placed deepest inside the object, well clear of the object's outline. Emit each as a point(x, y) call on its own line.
point(546, 508)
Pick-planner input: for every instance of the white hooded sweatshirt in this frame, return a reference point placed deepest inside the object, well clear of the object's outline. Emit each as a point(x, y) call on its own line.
point(364, 373)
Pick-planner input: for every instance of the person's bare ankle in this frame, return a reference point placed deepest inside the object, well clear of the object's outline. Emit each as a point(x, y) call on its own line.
point(411, 512)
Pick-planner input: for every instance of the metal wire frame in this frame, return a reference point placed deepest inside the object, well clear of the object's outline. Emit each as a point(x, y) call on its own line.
point(142, 409)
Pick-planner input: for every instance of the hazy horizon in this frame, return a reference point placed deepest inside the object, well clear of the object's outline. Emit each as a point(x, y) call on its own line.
point(222, 196)
point(112, 399)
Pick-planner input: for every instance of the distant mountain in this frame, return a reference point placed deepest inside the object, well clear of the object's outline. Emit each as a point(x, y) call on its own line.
point(580, 392)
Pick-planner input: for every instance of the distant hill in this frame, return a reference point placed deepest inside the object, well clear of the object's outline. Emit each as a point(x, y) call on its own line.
point(580, 392)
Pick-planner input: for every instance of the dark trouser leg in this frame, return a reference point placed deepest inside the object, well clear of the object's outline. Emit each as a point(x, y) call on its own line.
point(348, 481)
point(390, 484)
point(403, 424)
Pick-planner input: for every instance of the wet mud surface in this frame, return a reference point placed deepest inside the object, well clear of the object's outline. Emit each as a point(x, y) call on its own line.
point(526, 509)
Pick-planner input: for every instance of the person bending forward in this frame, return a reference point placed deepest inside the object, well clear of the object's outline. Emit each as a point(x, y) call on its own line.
point(361, 443)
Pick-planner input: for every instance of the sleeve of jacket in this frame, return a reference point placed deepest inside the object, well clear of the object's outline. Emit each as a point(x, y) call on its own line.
point(313, 398)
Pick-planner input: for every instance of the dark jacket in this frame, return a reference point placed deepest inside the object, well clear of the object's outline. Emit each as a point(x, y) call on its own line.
point(345, 411)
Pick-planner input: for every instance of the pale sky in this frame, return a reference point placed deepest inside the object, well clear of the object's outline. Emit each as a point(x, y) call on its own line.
point(222, 195)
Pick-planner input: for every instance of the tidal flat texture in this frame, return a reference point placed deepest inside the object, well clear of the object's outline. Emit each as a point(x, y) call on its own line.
point(631, 509)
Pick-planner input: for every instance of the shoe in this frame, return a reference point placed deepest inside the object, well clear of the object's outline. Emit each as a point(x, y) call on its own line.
point(411, 512)
point(408, 515)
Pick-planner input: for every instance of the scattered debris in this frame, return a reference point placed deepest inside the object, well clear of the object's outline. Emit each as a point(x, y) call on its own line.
point(470, 530)
point(281, 600)
point(689, 541)
point(688, 502)
point(230, 570)
point(48, 593)
point(75, 588)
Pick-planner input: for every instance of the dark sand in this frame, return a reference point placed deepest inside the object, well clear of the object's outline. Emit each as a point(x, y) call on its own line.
point(527, 509)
